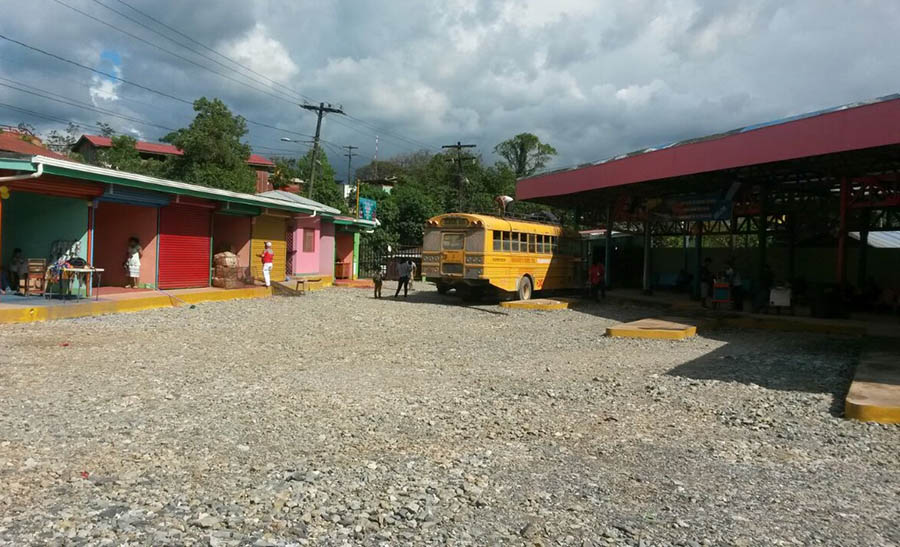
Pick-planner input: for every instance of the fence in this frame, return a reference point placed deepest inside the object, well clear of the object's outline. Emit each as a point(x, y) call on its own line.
point(372, 260)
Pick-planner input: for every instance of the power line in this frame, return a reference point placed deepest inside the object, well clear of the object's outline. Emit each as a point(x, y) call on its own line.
point(320, 111)
point(194, 51)
point(458, 160)
point(170, 52)
point(350, 154)
point(85, 106)
point(44, 116)
point(229, 59)
point(395, 135)
point(94, 70)
point(85, 67)
point(204, 46)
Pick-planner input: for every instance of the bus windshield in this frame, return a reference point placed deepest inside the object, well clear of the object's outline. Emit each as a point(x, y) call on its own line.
point(453, 242)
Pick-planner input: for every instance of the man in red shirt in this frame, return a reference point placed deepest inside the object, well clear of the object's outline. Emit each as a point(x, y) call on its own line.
point(598, 281)
point(267, 256)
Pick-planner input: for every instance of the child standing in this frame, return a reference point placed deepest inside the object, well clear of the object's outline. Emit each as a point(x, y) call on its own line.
point(378, 278)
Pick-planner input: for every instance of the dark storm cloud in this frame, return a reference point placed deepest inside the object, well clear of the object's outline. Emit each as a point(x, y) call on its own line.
point(594, 78)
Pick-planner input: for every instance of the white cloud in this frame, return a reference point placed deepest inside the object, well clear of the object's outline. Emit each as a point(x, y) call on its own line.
point(258, 50)
point(104, 89)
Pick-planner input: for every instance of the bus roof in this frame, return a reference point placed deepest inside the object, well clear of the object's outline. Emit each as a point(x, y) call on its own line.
point(491, 222)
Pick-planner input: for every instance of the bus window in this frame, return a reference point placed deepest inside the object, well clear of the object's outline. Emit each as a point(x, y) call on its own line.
point(498, 240)
point(453, 242)
point(542, 247)
point(506, 241)
point(531, 243)
point(514, 246)
point(553, 248)
point(523, 243)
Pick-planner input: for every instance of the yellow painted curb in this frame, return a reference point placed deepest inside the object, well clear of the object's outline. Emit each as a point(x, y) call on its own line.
point(656, 329)
point(538, 304)
point(93, 308)
point(874, 394)
point(871, 413)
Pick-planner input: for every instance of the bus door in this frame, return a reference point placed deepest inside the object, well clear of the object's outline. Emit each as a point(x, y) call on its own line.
point(453, 251)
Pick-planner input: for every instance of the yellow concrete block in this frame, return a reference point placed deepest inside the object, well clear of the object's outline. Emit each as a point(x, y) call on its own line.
point(537, 304)
point(874, 394)
point(657, 329)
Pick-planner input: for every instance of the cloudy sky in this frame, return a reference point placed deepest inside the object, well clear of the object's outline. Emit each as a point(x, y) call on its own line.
point(595, 78)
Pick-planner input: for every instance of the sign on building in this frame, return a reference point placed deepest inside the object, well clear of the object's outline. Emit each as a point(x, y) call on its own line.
point(367, 208)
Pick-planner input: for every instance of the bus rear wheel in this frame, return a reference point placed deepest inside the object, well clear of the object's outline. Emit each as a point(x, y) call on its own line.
point(525, 288)
point(442, 288)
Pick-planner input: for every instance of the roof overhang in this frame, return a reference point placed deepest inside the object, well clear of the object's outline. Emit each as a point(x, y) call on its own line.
point(837, 131)
point(65, 168)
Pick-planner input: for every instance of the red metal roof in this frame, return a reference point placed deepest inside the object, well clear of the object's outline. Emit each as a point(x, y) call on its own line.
point(842, 129)
point(12, 142)
point(166, 149)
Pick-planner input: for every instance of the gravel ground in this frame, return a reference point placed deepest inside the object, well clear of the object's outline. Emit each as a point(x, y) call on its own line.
point(337, 419)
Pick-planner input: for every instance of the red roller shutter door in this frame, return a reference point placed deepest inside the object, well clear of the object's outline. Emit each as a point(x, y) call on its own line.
point(184, 241)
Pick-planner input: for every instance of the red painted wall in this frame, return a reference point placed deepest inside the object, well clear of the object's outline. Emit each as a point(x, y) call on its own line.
point(115, 223)
point(344, 253)
point(232, 233)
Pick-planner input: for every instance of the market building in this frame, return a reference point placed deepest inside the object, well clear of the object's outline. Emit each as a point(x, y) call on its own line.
point(797, 197)
point(57, 207)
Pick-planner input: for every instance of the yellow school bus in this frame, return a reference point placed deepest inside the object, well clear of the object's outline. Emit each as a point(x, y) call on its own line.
point(474, 253)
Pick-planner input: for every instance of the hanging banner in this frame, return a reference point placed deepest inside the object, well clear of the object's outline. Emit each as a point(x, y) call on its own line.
point(367, 209)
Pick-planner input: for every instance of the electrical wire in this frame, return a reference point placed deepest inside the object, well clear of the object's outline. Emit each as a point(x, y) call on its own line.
point(204, 46)
point(94, 70)
point(86, 106)
point(177, 55)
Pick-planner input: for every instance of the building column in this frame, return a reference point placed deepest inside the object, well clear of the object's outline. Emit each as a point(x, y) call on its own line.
point(792, 247)
point(841, 274)
point(698, 243)
point(648, 271)
point(862, 265)
point(607, 251)
point(763, 234)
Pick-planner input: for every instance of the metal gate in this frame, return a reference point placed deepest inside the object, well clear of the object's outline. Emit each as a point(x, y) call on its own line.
point(371, 260)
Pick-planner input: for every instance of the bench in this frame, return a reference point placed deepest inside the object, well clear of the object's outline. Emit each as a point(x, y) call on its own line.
point(302, 284)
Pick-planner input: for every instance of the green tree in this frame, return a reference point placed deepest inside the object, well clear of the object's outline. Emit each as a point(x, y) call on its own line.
point(62, 142)
point(123, 155)
point(325, 190)
point(213, 152)
point(525, 154)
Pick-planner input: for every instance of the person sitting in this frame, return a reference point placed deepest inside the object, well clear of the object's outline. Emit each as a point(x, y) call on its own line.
point(18, 270)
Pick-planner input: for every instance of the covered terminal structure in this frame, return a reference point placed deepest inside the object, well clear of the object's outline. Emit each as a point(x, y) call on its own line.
point(797, 202)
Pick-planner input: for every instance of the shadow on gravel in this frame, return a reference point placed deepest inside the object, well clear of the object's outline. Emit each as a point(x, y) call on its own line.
point(814, 365)
point(485, 305)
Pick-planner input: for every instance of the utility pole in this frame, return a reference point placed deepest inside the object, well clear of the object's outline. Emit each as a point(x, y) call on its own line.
point(350, 154)
point(320, 110)
point(458, 160)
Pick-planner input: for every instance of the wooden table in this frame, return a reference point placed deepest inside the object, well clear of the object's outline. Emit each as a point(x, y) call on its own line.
point(80, 273)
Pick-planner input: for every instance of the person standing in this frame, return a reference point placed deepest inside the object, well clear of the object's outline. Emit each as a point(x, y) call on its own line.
point(267, 257)
point(706, 281)
point(133, 262)
point(403, 281)
point(412, 273)
point(737, 287)
point(378, 280)
point(598, 283)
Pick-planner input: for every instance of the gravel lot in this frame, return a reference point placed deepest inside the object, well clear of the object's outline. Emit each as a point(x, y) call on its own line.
point(337, 419)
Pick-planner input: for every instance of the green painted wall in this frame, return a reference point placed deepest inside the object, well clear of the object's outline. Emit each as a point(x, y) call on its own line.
point(32, 222)
point(356, 255)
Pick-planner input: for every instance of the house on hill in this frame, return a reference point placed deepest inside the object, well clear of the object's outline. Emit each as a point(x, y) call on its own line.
point(88, 145)
point(14, 140)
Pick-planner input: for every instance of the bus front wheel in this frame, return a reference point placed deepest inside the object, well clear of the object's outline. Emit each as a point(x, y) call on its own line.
point(525, 288)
